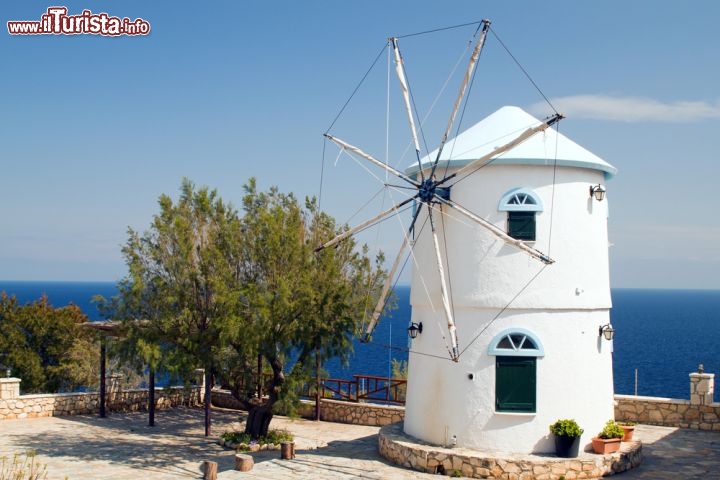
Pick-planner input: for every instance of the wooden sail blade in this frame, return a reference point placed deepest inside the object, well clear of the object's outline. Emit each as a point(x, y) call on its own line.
point(346, 146)
point(380, 305)
point(400, 71)
point(487, 158)
point(364, 225)
point(463, 88)
point(497, 231)
point(454, 351)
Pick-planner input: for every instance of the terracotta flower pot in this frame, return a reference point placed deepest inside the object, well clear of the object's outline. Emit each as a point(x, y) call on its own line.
point(628, 429)
point(605, 445)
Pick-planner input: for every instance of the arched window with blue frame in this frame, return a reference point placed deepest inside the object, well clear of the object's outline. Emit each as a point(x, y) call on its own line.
point(521, 204)
point(516, 351)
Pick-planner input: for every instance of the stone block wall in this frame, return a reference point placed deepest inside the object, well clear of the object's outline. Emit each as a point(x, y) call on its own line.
point(61, 404)
point(9, 387)
point(330, 410)
point(700, 412)
point(670, 412)
point(403, 450)
point(360, 413)
point(702, 388)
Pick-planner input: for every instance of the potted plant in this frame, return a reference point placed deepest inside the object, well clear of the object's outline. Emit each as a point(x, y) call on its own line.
point(608, 440)
point(628, 428)
point(567, 437)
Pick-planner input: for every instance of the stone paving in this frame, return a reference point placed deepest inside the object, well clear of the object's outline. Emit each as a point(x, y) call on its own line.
point(122, 446)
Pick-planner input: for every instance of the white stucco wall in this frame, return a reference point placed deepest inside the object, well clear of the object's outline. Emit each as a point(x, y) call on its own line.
point(574, 380)
point(562, 304)
point(486, 272)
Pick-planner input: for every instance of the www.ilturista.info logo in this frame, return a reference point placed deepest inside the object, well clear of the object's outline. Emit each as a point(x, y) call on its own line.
point(57, 22)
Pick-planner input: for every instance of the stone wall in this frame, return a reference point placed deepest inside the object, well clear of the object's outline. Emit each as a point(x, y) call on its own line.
point(408, 452)
point(330, 410)
point(360, 413)
point(670, 412)
point(61, 404)
point(700, 412)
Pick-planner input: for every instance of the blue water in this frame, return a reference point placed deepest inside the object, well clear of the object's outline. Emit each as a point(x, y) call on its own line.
point(664, 334)
point(62, 293)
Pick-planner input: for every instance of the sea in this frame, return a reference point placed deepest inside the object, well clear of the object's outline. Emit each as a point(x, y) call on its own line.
point(660, 335)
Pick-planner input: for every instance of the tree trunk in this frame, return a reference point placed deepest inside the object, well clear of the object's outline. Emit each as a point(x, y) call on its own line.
point(259, 413)
point(258, 421)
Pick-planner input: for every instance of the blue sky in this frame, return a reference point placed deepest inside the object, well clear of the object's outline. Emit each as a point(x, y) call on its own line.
point(93, 129)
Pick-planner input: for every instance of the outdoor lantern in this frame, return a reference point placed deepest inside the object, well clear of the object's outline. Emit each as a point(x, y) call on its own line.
point(607, 331)
point(8, 372)
point(414, 329)
point(598, 191)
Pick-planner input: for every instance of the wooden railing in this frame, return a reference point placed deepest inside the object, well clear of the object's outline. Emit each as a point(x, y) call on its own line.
point(362, 388)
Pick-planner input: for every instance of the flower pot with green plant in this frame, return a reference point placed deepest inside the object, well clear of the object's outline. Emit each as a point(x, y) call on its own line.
point(608, 440)
point(567, 437)
point(628, 428)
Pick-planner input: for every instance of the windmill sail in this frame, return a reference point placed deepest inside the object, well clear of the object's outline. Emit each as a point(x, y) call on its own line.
point(431, 192)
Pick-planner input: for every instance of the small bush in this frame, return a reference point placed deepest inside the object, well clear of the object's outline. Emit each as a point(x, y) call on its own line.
point(278, 436)
point(236, 437)
point(22, 467)
point(566, 428)
point(243, 442)
point(611, 430)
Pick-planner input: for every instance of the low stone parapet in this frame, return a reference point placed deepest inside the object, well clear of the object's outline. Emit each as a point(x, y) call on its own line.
point(408, 452)
point(62, 404)
point(668, 412)
point(337, 411)
point(360, 413)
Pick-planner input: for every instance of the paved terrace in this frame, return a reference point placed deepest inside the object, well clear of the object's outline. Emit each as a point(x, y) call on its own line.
point(122, 446)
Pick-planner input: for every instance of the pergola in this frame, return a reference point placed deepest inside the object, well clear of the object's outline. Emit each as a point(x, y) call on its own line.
point(109, 329)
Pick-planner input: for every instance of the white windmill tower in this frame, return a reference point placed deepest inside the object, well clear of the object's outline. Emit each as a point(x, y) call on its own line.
point(509, 237)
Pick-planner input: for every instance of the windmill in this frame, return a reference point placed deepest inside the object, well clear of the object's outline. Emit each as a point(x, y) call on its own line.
point(531, 314)
point(433, 195)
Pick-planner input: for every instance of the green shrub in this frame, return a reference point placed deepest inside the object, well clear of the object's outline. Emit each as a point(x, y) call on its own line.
point(611, 430)
point(278, 436)
point(236, 437)
point(566, 428)
point(243, 441)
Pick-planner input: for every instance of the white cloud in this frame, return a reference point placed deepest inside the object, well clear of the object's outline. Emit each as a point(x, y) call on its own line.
point(630, 109)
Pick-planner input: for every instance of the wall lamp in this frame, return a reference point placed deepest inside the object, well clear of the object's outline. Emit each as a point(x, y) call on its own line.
point(597, 191)
point(414, 329)
point(607, 331)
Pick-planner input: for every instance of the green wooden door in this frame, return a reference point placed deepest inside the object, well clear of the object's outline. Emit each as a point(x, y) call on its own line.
point(515, 384)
